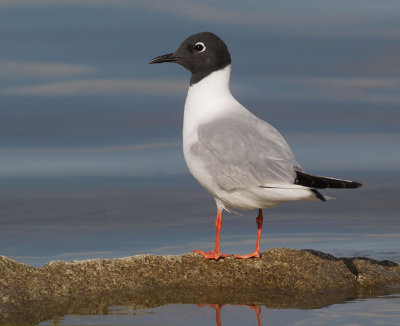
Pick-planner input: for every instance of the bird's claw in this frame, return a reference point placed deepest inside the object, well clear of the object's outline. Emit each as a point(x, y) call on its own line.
point(254, 254)
point(211, 254)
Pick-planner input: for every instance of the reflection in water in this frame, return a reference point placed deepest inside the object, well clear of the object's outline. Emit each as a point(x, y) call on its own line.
point(218, 307)
point(143, 304)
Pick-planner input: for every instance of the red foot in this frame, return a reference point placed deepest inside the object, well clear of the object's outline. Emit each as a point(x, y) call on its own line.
point(257, 309)
point(211, 254)
point(254, 254)
point(212, 305)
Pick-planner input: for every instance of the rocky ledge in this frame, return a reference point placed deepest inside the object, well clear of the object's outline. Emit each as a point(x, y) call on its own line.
point(277, 269)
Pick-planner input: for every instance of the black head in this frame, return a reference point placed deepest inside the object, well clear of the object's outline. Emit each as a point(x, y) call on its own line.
point(201, 53)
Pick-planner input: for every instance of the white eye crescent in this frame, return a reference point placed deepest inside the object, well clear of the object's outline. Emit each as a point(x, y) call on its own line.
point(200, 47)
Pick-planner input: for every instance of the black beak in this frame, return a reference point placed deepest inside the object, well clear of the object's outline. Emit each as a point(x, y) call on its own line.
point(164, 58)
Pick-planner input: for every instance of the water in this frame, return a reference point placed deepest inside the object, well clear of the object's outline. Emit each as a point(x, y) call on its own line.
point(180, 308)
point(80, 218)
point(378, 311)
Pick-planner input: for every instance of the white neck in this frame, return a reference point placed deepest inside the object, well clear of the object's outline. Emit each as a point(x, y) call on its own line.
point(208, 98)
point(214, 84)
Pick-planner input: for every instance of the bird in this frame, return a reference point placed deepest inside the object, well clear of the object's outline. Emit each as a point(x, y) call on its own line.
point(241, 160)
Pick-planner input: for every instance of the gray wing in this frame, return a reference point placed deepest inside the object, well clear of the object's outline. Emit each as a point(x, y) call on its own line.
point(242, 151)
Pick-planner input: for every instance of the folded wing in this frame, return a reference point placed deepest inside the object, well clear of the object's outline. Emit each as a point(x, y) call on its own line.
point(242, 151)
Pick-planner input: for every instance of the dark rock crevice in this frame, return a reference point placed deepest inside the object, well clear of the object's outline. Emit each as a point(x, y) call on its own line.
point(349, 262)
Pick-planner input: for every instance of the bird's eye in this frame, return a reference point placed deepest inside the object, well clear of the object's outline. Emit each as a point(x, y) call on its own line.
point(200, 47)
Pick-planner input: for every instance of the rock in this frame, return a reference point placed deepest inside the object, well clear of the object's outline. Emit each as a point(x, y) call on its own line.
point(287, 270)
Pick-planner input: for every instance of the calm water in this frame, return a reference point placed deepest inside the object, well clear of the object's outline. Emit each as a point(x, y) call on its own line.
point(79, 218)
point(177, 308)
point(378, 311)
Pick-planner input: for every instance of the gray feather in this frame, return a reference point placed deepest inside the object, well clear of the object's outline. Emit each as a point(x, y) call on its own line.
point(241, 151)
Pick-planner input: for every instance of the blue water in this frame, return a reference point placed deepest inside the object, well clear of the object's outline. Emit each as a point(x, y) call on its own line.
point(383, 310)
point(80, 218)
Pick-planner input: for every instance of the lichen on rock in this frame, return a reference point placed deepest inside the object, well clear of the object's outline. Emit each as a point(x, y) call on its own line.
point(277, 270)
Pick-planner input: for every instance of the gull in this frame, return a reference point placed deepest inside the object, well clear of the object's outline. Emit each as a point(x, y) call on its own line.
point(241, 160)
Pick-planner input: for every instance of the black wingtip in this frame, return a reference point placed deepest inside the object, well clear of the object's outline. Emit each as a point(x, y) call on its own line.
point(318, 182)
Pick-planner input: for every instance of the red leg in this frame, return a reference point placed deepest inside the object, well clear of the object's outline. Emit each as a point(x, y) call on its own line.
point(214, 254)
point(256, 253)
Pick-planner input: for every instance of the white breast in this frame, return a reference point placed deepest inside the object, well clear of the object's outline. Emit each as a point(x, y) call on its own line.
point(206, 101)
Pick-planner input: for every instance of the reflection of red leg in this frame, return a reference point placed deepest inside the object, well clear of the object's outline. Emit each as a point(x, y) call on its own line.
point(257, 310)
point(214, 254)
point(217, 308)
point(256, 253)
point(218, 315)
